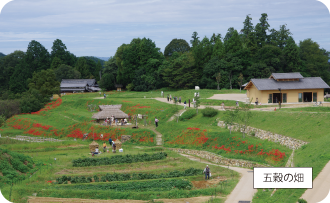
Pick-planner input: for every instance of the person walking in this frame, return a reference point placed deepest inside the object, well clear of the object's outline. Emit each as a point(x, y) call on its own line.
point(180, 99)
point(110, 141)
point(156, 122)
point(168, 98)
point(104, 147)
point(184, 104)
point(207, 172)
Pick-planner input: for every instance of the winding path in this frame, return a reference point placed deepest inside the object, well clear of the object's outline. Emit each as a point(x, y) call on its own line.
point(244, 190)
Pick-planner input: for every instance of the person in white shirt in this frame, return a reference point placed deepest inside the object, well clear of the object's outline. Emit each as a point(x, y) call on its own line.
point(96, 151)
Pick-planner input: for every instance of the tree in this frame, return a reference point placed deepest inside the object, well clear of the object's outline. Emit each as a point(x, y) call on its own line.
point(240, 81)
point(56, 63)
point(107, 81)
point(176, 45)
point(195, 39)
point(248, 26)
point(37, 58)
point(82, 67)
point(32, 101)
point(218, 78)
point(230, 117)
point(181, 71)
point(45, 82)
point(261, 30)
point(245, 117)
point(211, 69)
point(66, 72)
point(58, 50)
point(233, 44)
point(97, 71)
point(291, 55)
point(18, 80)
point(7, 67)
point(229, 34)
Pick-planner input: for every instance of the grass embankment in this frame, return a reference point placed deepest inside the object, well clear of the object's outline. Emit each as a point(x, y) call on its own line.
point(304, 126)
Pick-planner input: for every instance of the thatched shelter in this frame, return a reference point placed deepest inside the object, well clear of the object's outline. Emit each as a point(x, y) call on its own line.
point(118, 144)
point(92, 146)
point(105, 107)
point(102, 115)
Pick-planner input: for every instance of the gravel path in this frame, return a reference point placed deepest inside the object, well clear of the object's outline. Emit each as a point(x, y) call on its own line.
point(244, 189)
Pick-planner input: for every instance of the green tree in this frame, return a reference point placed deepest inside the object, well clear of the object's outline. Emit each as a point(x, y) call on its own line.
point(82, 67)
point(45, 82)
point(291, 55)
point(97, 71)
point(261, 30)
point(59, 50)
point(248, 26)
point(230, 118)
point(233, 44)
point(37, 58)
point(108, 81)
point(32, 101)
point(56, 63)
point(245, 116)
point(66, 72)
point(7, 67)
point(176, 45)
point(315, 60)
point(18, 80)
point(195, 39)
point(181, 72)
point(229, 34)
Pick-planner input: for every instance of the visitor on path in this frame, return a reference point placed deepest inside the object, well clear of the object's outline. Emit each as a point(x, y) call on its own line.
point(180, 100)
point(223, 106)
point(122, 122)
point(168, 98)
point(104, 95)
point(125, 121)
point(207, 172)
point(184, 104)
point(237, 104)
point(104, 147)
point(116, 121)
point(106, 121)
point(110, 141)
point(96, 151)
point(156, 122)
point(114, 147)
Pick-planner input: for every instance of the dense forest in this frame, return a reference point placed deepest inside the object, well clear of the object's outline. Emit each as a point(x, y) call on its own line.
point(213, 62)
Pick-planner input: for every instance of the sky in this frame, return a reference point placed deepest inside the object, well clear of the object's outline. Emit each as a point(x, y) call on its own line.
point(99, 27)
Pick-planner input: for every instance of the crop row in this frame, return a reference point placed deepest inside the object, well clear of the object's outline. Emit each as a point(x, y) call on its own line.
point(118, 159)
point(153, 185)
point(127, 176)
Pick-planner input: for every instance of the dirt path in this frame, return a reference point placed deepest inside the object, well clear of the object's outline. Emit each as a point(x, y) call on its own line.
point(244, 189)
point(174, 116)
point(321, 187)
point(77, 200)
point(191, 105)
point(235, 97)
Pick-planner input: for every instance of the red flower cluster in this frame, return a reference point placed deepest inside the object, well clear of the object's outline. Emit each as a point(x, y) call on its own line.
point(190, 128)
point(49, 106)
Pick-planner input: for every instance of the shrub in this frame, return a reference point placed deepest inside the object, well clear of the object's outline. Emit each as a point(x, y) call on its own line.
point(302, 201)
point(188, 114)
point(209, 112)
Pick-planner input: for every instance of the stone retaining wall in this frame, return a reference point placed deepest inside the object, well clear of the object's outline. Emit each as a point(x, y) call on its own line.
point(266, 135)
point(218, 159)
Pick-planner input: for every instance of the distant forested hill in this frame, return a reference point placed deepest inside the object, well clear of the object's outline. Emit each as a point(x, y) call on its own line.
point(104, 58)
point(96, 59)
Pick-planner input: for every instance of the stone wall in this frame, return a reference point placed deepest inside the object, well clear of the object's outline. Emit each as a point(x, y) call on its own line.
point(218, 159)
point(266, 135)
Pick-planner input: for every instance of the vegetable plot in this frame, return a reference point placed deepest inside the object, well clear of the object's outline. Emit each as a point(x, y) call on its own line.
point(118, 159)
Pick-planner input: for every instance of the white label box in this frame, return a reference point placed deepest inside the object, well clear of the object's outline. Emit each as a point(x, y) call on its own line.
point(283, 177)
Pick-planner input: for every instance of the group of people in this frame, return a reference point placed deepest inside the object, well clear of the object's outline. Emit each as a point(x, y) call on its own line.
point(113, 144)
point(175, 99)
point(113, 120)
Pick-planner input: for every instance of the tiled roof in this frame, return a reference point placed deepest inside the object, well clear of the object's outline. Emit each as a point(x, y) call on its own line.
point(304, 83)
point(90, 82)
point(277, 76)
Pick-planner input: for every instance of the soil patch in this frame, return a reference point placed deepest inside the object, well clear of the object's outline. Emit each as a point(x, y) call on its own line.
point(207, 183)
point(77, 200)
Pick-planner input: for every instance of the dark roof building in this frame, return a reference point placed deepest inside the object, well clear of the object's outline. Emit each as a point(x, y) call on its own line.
point(79, 85)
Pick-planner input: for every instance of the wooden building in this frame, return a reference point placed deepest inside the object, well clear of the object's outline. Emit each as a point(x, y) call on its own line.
point(286, 88)
point(79, 85)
